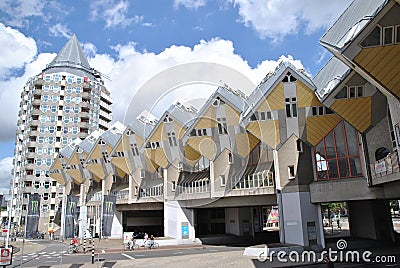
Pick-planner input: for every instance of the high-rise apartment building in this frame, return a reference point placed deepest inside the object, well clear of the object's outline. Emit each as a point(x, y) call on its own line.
point(67, 100)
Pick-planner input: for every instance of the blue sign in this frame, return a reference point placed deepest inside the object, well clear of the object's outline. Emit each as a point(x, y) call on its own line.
point(185, 230)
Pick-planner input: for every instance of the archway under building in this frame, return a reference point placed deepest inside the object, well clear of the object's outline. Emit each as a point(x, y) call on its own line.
point(237, 225)
point(370, 222)
point(144, 221)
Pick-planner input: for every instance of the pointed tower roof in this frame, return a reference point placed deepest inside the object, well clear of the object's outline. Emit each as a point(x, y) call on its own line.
point(71, 56)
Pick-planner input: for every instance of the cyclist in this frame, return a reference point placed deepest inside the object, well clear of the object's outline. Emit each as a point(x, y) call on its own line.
point(151, 242)
point(75, 241)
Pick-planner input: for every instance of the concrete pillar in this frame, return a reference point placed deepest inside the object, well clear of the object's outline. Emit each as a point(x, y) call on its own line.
point(66, 191)
point(176, 218)
point(212, 179)
point(300, 220)
point(130, 188)
point(371, 219)
point(106, 184)
point(117, 229)
point(82, 221)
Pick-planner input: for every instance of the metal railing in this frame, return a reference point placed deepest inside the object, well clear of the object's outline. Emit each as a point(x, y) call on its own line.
point(259, 179)
point(385, 166)
point(200, 186)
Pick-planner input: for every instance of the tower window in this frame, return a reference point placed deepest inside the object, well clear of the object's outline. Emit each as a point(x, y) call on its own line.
point(222, 127)
point(291, 107)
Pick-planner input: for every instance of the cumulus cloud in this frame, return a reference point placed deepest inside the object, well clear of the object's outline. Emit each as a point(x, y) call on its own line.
point(5, 174)
point(128, 71)
point(275, 19)
point(115, 13)
point(19, 12)
point(16, 51)
point(60, 30)
point(189, 4)
point(133, 68)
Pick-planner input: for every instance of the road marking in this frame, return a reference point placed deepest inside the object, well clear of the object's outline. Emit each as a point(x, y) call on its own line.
point(129, 257)
point(41, 253)
point(49, 257)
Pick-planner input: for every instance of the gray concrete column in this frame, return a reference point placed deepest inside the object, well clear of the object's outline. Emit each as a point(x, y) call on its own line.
point(371, 219)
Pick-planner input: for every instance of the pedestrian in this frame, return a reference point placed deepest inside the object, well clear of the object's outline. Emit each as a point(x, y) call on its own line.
point(338, 224)
point(146, 236)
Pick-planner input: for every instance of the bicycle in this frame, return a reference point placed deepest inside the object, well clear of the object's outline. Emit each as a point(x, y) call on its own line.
point(151, 244)
point(75, 248)
point(131, 246)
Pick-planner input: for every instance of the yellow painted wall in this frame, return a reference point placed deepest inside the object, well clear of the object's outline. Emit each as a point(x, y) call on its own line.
point(74, 159)
point(245, 143)
point(156, 136)
point(274, 101)
point(267, 131)
point(319, 126)
point(207, 120)
point(306, 96)
point(191, 155)
point(58, 177)
point(355, 111)
point(382, 63)
point(97, 170)
point(122, 163)
point(96, 153)
point(75, 174)
point(232, 115)
point(57, 164)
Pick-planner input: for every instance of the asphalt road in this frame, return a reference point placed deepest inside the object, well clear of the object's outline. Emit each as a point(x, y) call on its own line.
point(55, 253)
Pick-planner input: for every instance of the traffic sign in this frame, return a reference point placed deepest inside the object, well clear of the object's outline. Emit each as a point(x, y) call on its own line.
point(6, 256)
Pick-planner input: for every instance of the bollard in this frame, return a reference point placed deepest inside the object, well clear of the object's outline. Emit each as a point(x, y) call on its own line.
point(84, 243)
point(92, 250)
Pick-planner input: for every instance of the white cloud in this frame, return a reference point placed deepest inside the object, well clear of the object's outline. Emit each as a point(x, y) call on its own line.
point(60, 30)
point(132, 68)
point(115, 13)
point(89, 49)
point(5, 174)
point(128, 72)
point(190, 4)
point(16, 51)
point(275, 19)
point(19, 12)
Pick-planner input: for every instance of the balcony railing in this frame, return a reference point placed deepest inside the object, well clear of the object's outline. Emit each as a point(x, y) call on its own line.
point(122, 194)
point(199, 186)
point(385, 166)
point(157, 190)
point(255, 176)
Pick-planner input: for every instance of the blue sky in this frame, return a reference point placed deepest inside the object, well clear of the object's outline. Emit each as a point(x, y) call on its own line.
point(130, 41)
